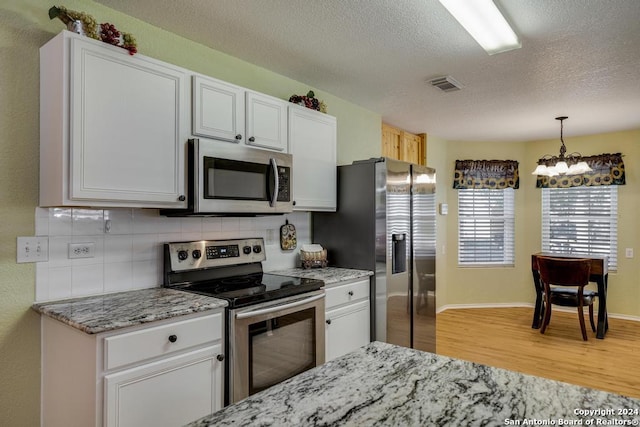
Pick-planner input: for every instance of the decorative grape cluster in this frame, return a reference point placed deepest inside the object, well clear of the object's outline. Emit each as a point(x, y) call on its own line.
point(309, 101)
point(106, 32)
point(129, 43)
point(109, 34)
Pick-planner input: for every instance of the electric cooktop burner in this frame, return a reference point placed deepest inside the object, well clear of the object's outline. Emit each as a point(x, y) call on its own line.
point(229, 270)
point(256, 288)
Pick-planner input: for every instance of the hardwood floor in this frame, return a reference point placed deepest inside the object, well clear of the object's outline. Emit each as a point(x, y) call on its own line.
point(503, 337)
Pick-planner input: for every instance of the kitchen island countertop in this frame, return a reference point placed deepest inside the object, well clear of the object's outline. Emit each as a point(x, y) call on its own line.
point(330, 275)
point(386, 385)
point(101, 313)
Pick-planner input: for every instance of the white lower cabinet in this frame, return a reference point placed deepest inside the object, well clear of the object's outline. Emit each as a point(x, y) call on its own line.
point(171, 392)
point(347, 318)
point(167, 373)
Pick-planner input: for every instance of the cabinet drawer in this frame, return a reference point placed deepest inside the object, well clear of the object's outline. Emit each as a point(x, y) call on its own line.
point(161, 340)
point(342, 294)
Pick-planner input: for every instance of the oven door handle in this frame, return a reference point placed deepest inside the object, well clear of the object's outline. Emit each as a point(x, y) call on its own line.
point(259, 312)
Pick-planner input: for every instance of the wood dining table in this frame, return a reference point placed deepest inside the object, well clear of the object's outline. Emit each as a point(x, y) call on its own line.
point(599, 275)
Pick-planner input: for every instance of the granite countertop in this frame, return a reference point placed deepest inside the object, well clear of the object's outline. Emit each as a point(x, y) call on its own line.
point(386, 385)
point(330, 275)
point(100, 313)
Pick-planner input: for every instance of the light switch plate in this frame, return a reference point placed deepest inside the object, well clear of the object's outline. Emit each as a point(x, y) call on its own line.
point(32, 249)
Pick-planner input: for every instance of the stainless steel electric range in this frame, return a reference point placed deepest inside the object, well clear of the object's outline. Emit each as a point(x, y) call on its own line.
point(274, 324)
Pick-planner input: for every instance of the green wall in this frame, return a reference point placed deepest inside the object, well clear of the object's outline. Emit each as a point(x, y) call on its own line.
point(24, 27)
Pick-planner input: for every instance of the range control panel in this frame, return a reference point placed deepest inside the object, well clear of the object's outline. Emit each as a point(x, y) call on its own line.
point(214, 253)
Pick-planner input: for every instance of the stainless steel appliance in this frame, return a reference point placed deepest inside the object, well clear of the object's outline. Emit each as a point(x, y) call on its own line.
point(274, 324)
point(226, 179)
point(385, 222)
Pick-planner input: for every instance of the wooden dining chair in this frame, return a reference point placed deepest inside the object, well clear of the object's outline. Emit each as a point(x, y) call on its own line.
point(563, 281)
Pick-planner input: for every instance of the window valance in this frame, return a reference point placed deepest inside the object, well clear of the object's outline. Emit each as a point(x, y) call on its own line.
point(608, 169)
point(487, 174)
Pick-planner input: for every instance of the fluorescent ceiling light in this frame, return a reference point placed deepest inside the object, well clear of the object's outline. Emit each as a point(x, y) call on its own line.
point(485, 23)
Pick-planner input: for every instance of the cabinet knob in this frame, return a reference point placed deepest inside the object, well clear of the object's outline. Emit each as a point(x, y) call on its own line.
point(252, 139)
point(182, 198)
point(220, 357)
point(350, 293)
point(173, 338)
point(328, 321)
point(238, 137)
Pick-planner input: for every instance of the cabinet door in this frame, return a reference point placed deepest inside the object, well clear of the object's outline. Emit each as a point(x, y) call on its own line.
point(127, 127)
point(218, 109)
point(412, 148)
point(346, 329)
point(391, 142)
point(169, 393)
point(266, 122)
point(312, 141)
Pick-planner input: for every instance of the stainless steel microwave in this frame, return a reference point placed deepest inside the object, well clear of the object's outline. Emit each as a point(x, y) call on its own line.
point(234, 180)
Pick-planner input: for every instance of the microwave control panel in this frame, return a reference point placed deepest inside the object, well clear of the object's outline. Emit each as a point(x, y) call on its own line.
point(284, 184)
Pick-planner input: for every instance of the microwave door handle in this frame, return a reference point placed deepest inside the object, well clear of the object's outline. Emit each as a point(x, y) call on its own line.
point(276, 183)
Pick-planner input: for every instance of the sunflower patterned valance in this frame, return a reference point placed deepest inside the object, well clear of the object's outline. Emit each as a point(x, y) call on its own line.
point(489, 174)
point(608, 169)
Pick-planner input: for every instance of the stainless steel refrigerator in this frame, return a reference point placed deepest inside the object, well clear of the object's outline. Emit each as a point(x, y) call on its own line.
point(386, 222)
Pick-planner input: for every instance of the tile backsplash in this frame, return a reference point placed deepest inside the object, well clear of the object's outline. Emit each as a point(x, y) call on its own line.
point(128, 246)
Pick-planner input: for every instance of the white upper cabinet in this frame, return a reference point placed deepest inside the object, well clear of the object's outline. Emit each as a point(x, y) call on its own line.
point(218, 109)
point(266, 122)
point(312, 142)
point(113, 127)
point(231, 113)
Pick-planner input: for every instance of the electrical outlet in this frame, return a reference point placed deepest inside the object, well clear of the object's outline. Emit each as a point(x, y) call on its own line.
point(32, 249)
point(628, 252)
point(81, 250)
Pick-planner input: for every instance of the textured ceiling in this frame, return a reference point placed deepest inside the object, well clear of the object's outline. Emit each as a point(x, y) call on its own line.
point(579, 58)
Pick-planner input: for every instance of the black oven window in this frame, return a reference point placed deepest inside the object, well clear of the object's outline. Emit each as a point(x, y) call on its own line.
point(281, 348)
point(234, 180)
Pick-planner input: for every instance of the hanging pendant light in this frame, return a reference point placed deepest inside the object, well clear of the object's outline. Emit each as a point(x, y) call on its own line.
point(571, 164)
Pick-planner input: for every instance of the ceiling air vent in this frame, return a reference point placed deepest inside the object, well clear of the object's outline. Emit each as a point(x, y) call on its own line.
point(446, 84)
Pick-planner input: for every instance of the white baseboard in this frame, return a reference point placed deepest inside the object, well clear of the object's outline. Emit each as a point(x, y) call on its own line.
point(488, 305)
point(525, 304)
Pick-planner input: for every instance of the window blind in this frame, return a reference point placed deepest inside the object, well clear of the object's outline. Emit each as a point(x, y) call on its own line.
point(486, 227)
point(581, 220)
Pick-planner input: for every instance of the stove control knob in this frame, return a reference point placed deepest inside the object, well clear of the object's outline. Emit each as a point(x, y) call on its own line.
point(257, 249)
point(246, 250)
point(182, 255)
point(196, 254)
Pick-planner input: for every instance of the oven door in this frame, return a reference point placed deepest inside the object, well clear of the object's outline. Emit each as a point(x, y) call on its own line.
point(233, 179)
point(274, 341)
